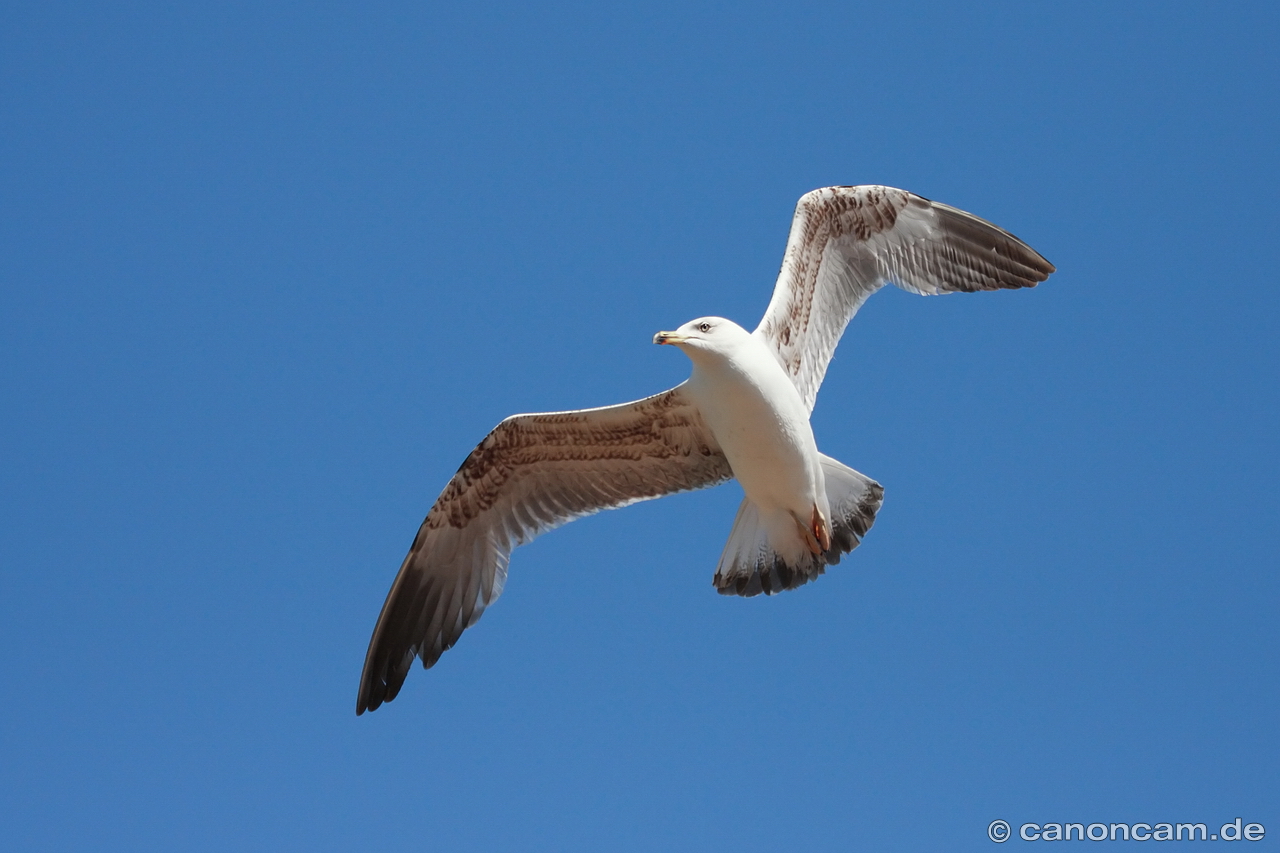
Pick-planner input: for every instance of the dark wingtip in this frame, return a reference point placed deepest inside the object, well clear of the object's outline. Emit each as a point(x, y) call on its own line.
point(1010, 262)
point(367, 701)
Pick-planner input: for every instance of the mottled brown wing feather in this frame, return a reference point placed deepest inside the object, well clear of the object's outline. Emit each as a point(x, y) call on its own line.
point(848, 242)
point(531, 474)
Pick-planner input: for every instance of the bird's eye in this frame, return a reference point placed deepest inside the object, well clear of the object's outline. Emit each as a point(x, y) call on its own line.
point(704, 327)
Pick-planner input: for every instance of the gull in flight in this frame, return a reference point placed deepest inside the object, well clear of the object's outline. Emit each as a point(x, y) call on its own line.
point(743, 413)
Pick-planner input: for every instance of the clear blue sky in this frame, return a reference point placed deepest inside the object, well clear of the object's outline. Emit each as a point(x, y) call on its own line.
point(269, 272)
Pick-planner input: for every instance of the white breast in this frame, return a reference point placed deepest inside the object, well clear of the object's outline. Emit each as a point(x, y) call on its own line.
point(762, 425)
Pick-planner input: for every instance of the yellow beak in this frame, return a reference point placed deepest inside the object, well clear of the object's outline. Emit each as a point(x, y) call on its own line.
point(669, 338)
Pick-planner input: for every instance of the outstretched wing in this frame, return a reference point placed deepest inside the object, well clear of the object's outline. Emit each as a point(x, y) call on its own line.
point(848, 242)
point(531, 474)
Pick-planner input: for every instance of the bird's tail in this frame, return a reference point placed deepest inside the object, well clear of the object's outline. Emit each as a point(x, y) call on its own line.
point(751, 564)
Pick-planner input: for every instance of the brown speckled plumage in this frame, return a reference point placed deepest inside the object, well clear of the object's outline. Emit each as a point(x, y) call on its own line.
point(848, 242)
point(530, 474)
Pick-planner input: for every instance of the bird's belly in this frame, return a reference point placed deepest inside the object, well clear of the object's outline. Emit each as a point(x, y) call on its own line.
point(769, 447)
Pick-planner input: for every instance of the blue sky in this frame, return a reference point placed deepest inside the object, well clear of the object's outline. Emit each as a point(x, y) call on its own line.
point(270, 271)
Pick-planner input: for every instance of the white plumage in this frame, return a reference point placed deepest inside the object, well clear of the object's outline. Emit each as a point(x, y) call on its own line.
point(756, 416)
point(743, 413)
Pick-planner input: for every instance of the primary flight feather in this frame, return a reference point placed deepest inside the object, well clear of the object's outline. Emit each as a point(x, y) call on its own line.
point(743, 413)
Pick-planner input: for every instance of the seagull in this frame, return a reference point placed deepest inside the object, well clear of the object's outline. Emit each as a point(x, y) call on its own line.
point(743, 413)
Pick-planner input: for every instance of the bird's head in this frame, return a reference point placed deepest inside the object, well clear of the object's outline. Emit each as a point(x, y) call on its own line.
point(704, 335)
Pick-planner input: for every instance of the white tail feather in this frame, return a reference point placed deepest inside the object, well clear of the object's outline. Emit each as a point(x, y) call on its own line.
point(763, 554)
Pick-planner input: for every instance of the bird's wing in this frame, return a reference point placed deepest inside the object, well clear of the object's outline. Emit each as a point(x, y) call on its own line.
point(531, 474)
point(848, 242)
